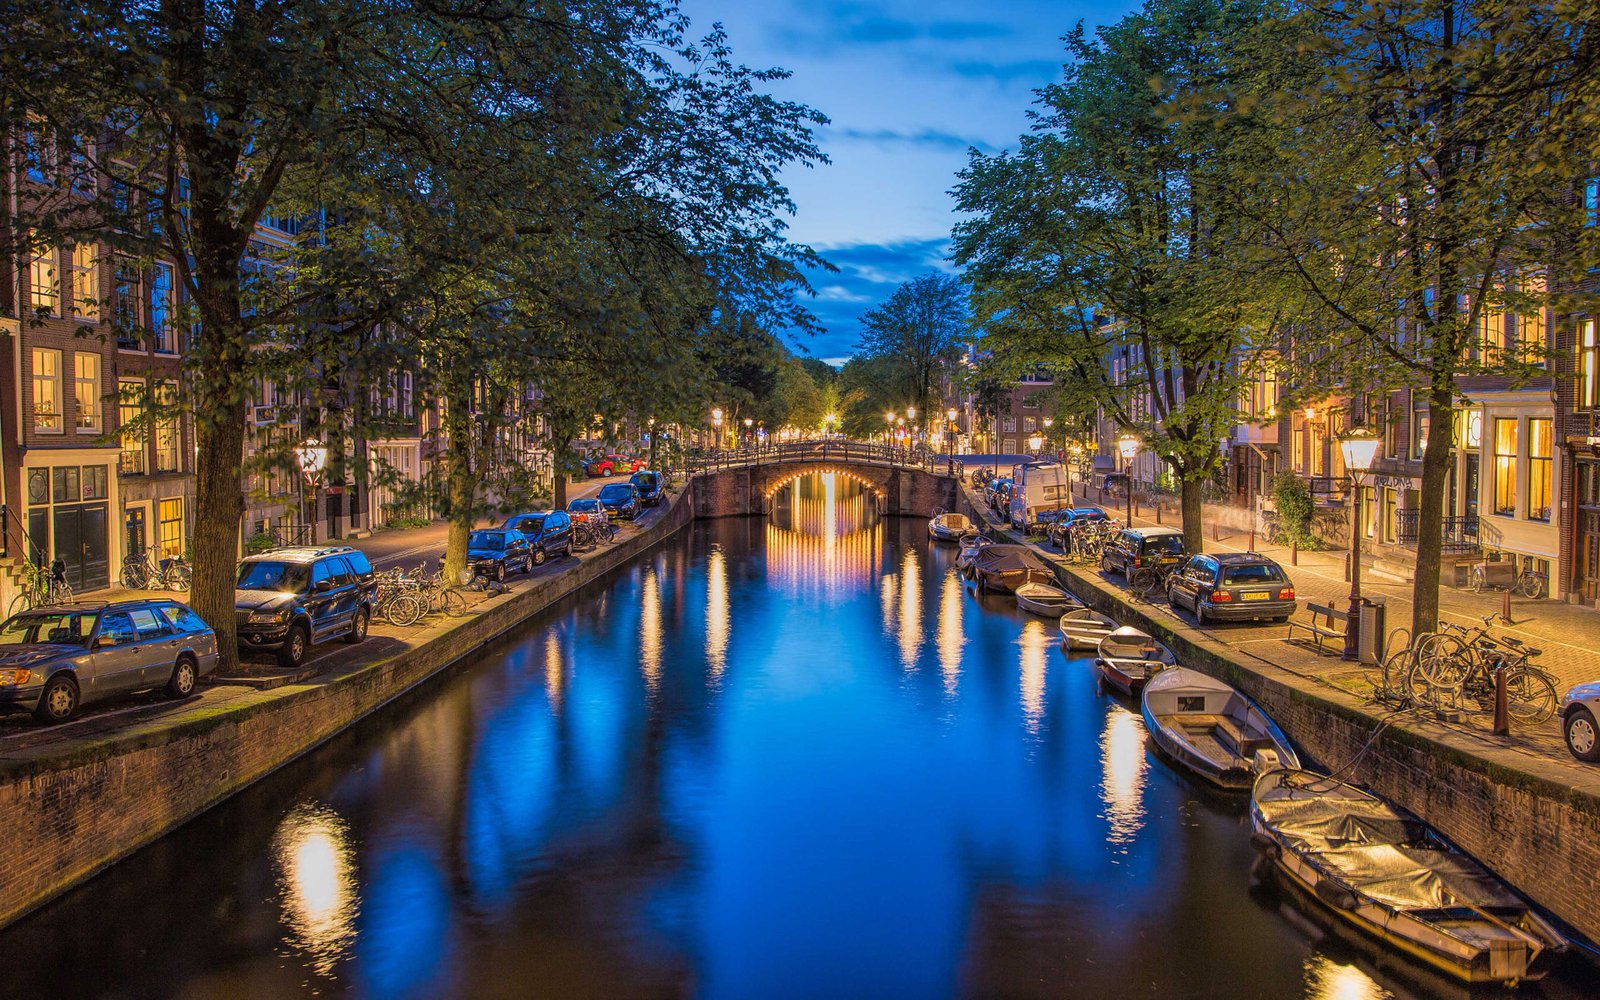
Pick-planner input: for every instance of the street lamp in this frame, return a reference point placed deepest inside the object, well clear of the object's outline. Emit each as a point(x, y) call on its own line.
point(1128, 445)
point(827, 423)
point(1035, 442)
point(748, 423)
point(911, 419)
point(1360, 447)
point(716, 432)
point(313, 457)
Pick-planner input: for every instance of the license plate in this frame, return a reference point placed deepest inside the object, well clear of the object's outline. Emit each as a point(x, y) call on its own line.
point(1260, 596)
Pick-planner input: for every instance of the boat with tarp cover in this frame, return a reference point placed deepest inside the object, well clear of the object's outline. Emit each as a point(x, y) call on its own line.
point(1389, 874)
point(1004, 568)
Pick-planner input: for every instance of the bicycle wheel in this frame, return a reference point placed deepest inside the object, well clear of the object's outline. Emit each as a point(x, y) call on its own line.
point(1475, 580)
point(402, 610)
point(22, 602)
point(1529, 585)
point(1142, 582)
point(1438, 668)
point(60, 593)
point(179, 578)
point(453, 602)
point(132, 576)
point(1530, 695)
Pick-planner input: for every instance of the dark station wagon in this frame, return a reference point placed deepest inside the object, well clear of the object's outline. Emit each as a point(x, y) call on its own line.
point(1236, 586)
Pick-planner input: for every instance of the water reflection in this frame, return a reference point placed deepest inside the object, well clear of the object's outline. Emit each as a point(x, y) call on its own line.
point(950, 636)
point(1123, 765)
point(1329, 980)
point(650, 628)
point(718, 625)
point(555, 678)
point(1033, 643)
point(316, 881)
point(910, 623)
point(823, 537)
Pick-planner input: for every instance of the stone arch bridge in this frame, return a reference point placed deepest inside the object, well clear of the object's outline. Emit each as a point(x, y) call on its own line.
point(745, 482)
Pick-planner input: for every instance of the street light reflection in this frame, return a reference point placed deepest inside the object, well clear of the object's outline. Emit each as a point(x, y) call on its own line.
point(1328, 980)
point(317, 882)
point(951, 636)
point(910, 609)
point(1123, 768)
point(1034, 643)
point(650, 628)
point(823, 538)
point(555, 677)
point(718, 625)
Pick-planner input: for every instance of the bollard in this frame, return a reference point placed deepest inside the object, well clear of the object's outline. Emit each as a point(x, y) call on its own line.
point(1505, 606)
point(1135, 508)
point(1158, 512)
point(1502, 723)
point(1294, 552)
point(1347, 567)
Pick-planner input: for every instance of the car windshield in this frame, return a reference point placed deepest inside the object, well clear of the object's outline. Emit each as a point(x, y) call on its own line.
point(646, 480)
point(1165, 545)
point(1241, 575)
point(269, 575)
point(616, 491)
point(583, 505)
point(72, 627)
point(530, 525)
point(486, 540)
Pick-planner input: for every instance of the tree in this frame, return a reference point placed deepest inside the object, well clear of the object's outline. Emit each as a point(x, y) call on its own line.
point(917, 332)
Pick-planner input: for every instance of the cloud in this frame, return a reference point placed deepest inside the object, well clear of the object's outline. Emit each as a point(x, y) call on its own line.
point(932, 138)
point(1038, 71)
point(868, 273)
point(826, 29)
point(961, 31)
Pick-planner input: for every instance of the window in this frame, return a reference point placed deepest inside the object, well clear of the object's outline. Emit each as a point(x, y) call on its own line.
point(171, 528)
point(86, 391)
point(162, 329)
point(42, 276)
point(1530, 322)
point(1419, 426)
point(1540, 468)
point(132, 434)
point(125, 306)
point(1010, 425)
point(1029, 425)
point(148, 624)
point(47, 409)
point(1505, 466)
point(1591, 201)
point(166, 424)
point(1491, 334)
point(1469, 428)
point(1588, 366)
point(39, 152)
point(80, 174)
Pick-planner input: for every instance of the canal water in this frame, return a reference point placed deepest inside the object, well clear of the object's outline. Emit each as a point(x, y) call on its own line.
point(773, 758)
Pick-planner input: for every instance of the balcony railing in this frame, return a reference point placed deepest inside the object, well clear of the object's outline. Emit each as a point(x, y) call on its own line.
point(1460, 534)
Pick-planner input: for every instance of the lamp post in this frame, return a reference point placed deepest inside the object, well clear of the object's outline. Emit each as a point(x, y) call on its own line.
point(1360, 447)
point(1048, 423)
point(1035, 442)
point(313, 456)
point(911, 423)
point(716, 430)
point(888, 434)
point(1128, 446)
point(748, 423)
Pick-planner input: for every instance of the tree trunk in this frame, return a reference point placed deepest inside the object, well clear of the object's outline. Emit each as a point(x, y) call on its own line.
point(1194, 535)
point(1437, 463)
point(459, 483)
point(218, 508)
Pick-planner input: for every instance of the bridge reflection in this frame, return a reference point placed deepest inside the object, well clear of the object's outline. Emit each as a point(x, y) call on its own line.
point(824, 537)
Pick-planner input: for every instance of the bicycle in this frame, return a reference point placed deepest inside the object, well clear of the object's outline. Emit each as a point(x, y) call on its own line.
point(42, 587)
point(396, 599)
point(140, 570)
point(1149, 580)
point(1460, 662)
point(1528, 583)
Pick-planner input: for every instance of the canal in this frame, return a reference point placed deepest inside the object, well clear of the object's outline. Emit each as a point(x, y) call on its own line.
point(774, 758)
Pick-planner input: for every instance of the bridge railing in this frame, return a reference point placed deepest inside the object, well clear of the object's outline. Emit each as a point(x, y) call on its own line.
point(819, 450)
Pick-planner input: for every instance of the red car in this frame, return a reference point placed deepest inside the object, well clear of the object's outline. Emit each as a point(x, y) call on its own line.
point(614, 465)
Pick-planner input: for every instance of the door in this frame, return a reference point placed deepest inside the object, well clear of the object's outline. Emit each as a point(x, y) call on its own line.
point(117, 656)
point(135, 531)
point(80, 542)
point(1469, 487)
point(157, 646)
point(321, 607)
point(1589, 553)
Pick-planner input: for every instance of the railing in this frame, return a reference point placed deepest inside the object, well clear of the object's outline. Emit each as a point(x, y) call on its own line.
point(1460, 534)
point(829, 450)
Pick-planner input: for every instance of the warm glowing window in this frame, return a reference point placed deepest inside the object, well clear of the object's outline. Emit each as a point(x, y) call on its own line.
point(1540, 468)
point(42, 276)
point(1588, 366)
point(166, 424)
point(86, 391)
point(1530, 322)
point(1505, 466)
point(47, 391)
point(171, 527)
point(130, 406)
point(85, 281)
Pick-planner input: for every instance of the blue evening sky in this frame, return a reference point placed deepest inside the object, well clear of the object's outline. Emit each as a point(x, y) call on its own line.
point(909, 86)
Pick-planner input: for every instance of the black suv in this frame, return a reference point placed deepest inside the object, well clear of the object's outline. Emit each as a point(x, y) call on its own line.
point(1135, 548)
point(649, 485)
point(1233, 586)
point(290, 598)
point(549, 532)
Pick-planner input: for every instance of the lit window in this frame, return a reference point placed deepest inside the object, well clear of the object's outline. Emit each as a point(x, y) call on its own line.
point(86, 391)
point(1588, 366)
point(131, 433)
point(162, 330)
point(47, 391)
point(171, 527)
point(85, 281)
point(166, 425)
point(1505, 466)
point(42, 276)
point(1530, 322)
point(1540, 468)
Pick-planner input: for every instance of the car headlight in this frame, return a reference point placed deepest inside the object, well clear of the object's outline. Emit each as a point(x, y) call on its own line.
point(268, 617)
point(14, 678)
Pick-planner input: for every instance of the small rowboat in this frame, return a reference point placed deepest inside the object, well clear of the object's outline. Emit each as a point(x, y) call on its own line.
point(1210, 728)
point(948, 527)
point(1083, 628)
point(1043, 599)
point(970, 544)
point(1128, 658)
point(1004, 568)
point(1387, 873)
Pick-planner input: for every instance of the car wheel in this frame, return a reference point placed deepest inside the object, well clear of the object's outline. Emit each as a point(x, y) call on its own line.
point(184, 675)
point(499, 572)
point(539, 556)
point(1583, 735)
point(358, 626)
point(58, 702)
point(293, 651)
point(1200, 616)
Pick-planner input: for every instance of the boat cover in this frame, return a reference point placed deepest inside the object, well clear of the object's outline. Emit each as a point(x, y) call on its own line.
point(1007, 559)
point(1377, 850)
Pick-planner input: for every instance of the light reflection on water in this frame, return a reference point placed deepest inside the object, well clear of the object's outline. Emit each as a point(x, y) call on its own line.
point(786, 759)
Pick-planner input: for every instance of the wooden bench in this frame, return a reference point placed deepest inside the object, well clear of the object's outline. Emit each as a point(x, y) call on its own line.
point(1227, 734)
point(1322, 625)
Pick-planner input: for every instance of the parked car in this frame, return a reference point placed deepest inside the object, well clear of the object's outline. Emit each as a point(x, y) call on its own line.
point(650, 486)
point(587, 510)
point(497, 553)
point(1115, 483)
point(1580, 707)
point(1133, 548)
point(291, 598)
point(56, 659)
point(998, 493)
point(1070, 520)
point(612, 465)
point(547, 532)
point(620, 500)
point(1233, 586)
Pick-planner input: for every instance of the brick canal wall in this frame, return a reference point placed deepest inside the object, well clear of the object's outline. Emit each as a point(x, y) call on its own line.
point(1515, 812)
point(748, 490)
point(73, 809)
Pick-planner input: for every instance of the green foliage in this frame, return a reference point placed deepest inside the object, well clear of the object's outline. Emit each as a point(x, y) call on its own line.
point(907, 343)
point(1296, 508)
point(261, 541)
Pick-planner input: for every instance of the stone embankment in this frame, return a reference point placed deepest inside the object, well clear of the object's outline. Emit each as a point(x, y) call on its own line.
point(1522, 814)
point(71, 807)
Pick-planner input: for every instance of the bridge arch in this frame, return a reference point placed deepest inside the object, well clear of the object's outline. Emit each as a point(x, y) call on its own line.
point(785, 475)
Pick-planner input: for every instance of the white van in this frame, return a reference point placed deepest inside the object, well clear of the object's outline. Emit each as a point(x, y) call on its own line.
point(1037, 487)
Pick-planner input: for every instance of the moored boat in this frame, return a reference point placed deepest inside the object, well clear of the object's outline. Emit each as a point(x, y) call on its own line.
point(1006, 567)
point(1210, 728)
point(1127, 658)
point(948, 527)
point(971, 543)
point(1387, 873)
point(1083, 628)
point(1046, 600)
